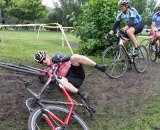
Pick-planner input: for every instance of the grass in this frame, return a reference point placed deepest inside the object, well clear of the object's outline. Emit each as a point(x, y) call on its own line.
point(20, 46)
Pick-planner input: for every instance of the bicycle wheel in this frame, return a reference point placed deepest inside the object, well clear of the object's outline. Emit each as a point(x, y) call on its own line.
point(141, 60)
point(145, 42)
point(153, 50)
point(37, 122)
point(116, 60)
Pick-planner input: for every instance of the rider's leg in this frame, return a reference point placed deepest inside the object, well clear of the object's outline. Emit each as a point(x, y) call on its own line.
point(77, 60)
point(69, 87)
point(126, 28)
point(125, 43)
point(130, 32)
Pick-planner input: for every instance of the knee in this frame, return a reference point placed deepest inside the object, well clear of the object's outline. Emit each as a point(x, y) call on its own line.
point(75, 57)
point(129, 32)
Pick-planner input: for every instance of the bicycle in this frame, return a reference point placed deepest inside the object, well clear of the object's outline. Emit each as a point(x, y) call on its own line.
point(152, 45)
point(117, 58)
point(53, 115)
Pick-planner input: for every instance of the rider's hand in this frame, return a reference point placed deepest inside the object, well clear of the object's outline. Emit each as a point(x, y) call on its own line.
point(108, 34)
point(111, 32)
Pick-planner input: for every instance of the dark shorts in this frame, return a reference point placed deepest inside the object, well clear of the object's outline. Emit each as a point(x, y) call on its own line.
point(138, 29)
point(76, 75)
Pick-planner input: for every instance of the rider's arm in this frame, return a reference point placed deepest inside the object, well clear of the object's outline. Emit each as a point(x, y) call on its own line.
point(153, 24)
point(118, 20)
point(115, 26)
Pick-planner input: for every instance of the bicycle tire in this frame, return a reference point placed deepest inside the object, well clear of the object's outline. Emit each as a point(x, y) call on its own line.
point(36, 115)
point(18, 69)
point(145, 42)
point(141, 61)
point(116, 65)
point(153, 50)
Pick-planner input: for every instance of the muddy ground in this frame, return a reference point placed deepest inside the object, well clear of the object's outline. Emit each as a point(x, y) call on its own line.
point(115, 100)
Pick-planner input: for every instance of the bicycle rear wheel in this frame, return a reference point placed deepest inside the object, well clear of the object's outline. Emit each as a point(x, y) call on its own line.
point(37, 122)
point(153, 50)
point(141, 60)
point(116, 60)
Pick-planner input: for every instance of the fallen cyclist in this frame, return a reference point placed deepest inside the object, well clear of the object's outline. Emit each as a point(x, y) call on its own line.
point(71, 70)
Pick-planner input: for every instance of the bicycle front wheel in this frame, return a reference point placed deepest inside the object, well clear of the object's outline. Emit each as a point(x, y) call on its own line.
point(141, 60)
point(116, 60)
point(37, 122)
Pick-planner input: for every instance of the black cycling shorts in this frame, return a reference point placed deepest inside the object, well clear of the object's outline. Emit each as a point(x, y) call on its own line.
point(76, 75)
point(138, 29)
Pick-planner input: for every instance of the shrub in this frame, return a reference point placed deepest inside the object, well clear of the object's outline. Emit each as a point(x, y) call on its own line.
point(97, 18)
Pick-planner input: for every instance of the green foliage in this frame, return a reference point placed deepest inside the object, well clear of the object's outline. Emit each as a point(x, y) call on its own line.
point(25, 9)
point(97, 18)
point(65, 11)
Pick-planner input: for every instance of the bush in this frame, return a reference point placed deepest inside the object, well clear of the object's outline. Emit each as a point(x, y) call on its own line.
point(97, 18)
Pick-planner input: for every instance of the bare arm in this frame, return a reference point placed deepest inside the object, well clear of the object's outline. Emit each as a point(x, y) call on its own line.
point(153, 27)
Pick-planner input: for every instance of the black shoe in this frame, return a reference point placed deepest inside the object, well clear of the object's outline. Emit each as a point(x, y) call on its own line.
point(101, 67)
point(83, 95)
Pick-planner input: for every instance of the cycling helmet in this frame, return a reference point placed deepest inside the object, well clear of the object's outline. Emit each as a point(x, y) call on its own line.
point(40, 56)
point(123, 2)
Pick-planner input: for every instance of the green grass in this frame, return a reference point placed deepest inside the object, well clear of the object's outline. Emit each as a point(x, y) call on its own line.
point(21, 46)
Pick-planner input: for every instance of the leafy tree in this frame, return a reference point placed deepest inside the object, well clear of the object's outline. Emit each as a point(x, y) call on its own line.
point(97, 18)
point(27, 9)
point(63, 12)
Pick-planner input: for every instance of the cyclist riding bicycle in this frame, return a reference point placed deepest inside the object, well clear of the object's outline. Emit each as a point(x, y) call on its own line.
point(156, 24)
point(133, 21)
point(71, 71)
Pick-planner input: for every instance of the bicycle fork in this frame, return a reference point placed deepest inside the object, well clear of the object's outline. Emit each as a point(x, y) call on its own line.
point(48, 116)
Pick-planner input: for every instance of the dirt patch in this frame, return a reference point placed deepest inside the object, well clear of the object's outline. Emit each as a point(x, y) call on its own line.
point(112, 98)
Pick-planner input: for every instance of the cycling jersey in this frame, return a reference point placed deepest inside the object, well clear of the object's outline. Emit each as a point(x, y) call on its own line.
point(131, 17)
point(156, 19)
point(131, 13)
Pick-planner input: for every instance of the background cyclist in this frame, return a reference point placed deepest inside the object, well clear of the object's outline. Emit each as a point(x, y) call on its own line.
point(156, 24)
point(71, 70)
point(133, 23)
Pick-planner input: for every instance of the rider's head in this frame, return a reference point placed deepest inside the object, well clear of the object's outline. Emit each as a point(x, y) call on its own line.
point(42, 58)
point(124, 5)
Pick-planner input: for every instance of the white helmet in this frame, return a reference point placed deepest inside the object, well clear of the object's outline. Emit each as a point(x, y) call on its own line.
point(123, 2)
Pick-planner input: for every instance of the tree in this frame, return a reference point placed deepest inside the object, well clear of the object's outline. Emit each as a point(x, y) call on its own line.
point(97, 18)
point(63, 12)
point(27, 9)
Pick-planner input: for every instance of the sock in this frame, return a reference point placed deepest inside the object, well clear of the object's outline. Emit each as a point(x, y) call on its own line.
point(96, 66)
